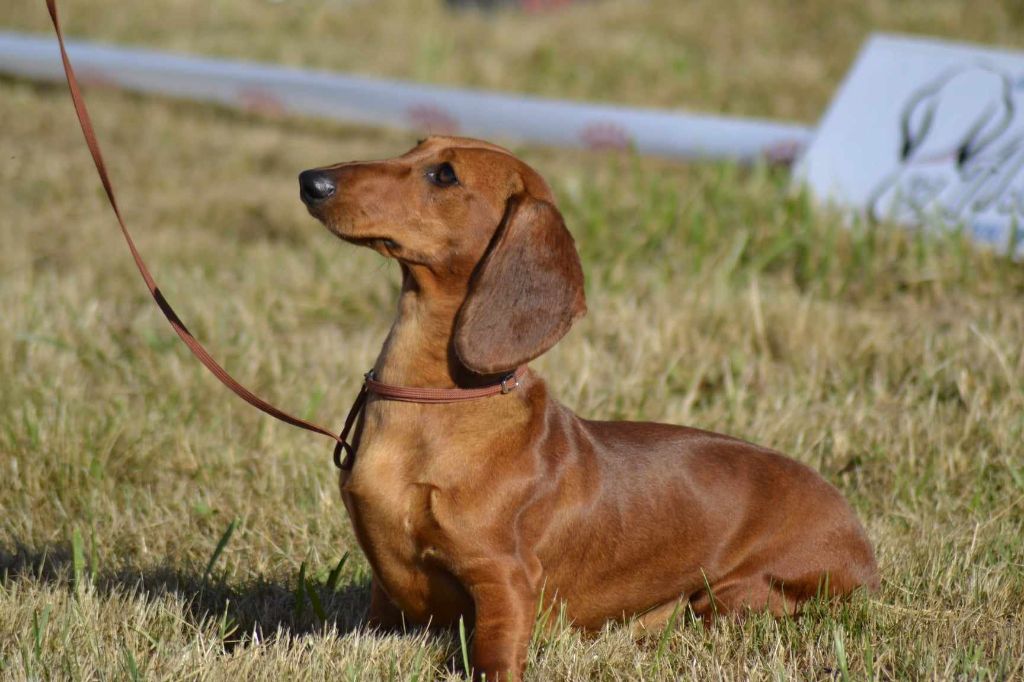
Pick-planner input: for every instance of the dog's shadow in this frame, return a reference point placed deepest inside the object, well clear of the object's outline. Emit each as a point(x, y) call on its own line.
point(239, 613)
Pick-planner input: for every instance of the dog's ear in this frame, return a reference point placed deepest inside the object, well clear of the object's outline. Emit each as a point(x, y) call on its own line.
point(525, 293)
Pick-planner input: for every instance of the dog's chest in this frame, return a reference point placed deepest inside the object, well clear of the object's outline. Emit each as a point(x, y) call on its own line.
point(390, 507)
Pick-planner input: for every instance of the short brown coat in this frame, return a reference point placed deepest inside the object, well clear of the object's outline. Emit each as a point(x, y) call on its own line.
point(477, 509)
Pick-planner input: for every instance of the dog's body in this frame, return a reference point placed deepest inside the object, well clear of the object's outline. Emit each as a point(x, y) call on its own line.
point(478, 509)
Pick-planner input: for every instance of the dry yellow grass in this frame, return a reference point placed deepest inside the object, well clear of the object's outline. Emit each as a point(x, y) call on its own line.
point(891, 363)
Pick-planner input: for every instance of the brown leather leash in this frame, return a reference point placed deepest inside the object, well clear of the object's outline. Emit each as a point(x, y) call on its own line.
point(370, 385)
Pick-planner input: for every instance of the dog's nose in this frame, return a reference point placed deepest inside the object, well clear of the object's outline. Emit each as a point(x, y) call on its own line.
point(316, 185)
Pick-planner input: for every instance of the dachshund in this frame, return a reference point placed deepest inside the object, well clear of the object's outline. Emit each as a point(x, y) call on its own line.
point(493, 509)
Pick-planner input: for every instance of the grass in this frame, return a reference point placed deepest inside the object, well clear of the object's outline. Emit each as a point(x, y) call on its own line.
point(155, 527)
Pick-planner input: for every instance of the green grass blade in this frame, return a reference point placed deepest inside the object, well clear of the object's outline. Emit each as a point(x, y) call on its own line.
point(39, 624)
point(224, 539)
point(335, 574)
point(300, 592)
point(670, 627)
point(314, 600)
point(711, 594)
point(77, 558)
point(840, 647)
point(131, 666)
point(464, 647)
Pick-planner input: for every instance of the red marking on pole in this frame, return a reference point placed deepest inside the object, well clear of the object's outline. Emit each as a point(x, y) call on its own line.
point(432, 119)
point(605, 135)
point(97, 78)
point(260, 101)
point(783, 153)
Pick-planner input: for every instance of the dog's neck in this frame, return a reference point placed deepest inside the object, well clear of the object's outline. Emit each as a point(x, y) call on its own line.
point(417, 351)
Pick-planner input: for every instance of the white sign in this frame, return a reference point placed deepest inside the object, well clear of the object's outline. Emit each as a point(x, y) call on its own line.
point(927, 133)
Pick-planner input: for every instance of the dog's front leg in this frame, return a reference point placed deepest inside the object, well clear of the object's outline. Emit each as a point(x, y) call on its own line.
point(506, 605)
point(382, 614)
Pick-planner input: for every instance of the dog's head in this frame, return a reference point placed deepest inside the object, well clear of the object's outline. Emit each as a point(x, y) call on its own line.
point(481, 224)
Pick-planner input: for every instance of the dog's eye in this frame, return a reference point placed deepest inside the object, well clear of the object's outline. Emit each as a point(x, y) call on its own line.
point(442, 175)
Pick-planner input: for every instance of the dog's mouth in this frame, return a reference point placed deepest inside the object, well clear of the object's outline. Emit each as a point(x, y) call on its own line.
point(384, 245)
point(379, 243)
point(342, 226)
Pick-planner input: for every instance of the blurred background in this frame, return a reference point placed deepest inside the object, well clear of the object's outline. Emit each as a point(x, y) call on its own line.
point(774, 58)
point(153, 526)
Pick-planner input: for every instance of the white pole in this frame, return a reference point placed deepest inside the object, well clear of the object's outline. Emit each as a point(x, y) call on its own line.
point(404, 105)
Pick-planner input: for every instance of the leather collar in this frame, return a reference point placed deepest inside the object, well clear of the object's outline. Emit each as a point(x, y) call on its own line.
point(412, 394)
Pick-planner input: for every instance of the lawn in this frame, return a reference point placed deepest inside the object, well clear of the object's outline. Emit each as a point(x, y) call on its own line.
point(153, 526)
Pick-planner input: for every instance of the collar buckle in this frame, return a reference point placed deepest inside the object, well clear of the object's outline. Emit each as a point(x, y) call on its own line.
point(507, 387)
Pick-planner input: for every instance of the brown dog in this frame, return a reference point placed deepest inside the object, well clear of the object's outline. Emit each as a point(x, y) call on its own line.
point(478, 508)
